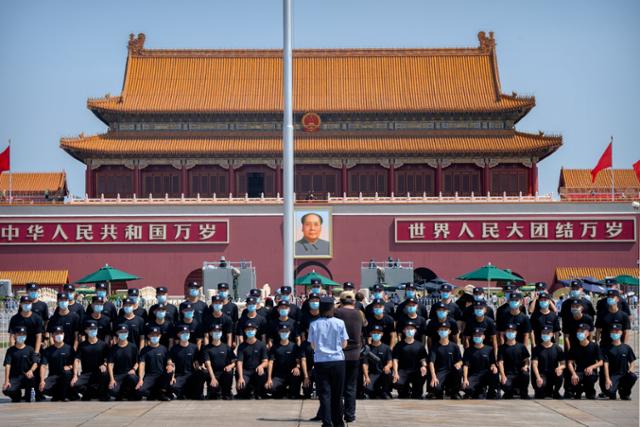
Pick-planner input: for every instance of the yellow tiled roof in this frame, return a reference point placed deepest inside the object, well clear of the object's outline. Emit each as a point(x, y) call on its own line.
point(41, 277)
point(34, 182)
point(599, 273)
point(581, 179)
point(503, 142)
point(325, 80)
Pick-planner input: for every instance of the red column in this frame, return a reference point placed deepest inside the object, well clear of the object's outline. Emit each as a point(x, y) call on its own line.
point(438, 179)
point(486, 180)
point(184, 181)
point(392, 179)
point(137, 181)
point(533, 179)
point(89, 181)
point(278, 179)
point(232, 180)
point(345, 189)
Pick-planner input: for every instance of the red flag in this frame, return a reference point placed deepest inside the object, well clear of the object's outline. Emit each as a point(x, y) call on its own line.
point(636, 168)
point(605, 162)
point(5, 163)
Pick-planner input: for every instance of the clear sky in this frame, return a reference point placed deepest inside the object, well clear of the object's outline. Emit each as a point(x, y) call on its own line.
point(581, 60)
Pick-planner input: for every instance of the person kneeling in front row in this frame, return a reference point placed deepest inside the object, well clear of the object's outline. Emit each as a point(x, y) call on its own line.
point(619, 366)
point(123, 363)
point(58, 360)
point(480, 373)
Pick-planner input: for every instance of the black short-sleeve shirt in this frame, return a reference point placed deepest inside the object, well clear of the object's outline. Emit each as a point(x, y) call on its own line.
point(409, 356)
point(383, 354)
point(70, 323)
point(135, 326)
point(387, 325)
point(155, 359)
point(486, 323)
point(91, 356)
point(252, 355)
point(548, 358)
point(284, 357)
point(123, 358)
point(479, 360)
point(607, 319)
point(20, 359)
point(585, 356)
point(444, 357)
point(619, 358)
point(513, 357)
point(57, 358)
point(183, 358)
point(33, 324)
point(219, 356)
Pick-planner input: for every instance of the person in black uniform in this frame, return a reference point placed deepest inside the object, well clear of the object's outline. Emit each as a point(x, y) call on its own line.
point(153, 380)
point(613, 315)
point(38, 307)
point(409, 364)
point(311, 314)
point(228, 307)
point(90, 369)
point(196, 329)
point(108, 308)
point(308, 373)
point(410, 295)
point(192, 296)
point(32, 323)
point(57, 359)
point(134, 323)
point(314, 290)
point(583, 362)
point(543, 316)
point(445, 366)
point(249, 315)
point(547, 365)
point(576, 294)
point(162, 324)
point(570, 323)
point(410, 314)
point(273, 328)
point(261, 309)
point(251, 367)
point(74, 306)
point(534, 304)
point(602, 306)
point(186, 381)
point(102, 320)
point(133, 294)
point(285, 293)
point(515, 316)
point(284, 375)
point(513, 364)
point(122, 366)
point(20, 365)
point(170, 310)
point(67, 319)
point(480, 320)
point(479, 371)
point(619, 366)
point(384, 321)
point(217, 317)
point(507, 289)
point(377, 293)
point(441, 311)
point(377, 366)
point(446, 298)
point(478, 296)
point(219, 360)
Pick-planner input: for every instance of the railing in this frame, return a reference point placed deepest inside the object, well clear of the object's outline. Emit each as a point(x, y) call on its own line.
point(386, 264)
point(585, 195)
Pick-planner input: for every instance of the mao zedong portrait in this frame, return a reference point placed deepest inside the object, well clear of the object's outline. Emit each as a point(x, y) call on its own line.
point(311, 243)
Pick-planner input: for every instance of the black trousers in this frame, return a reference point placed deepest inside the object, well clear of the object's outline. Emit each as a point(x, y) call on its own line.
point(380, 385)
point(410, 384)
point(330, 383)
point(449, 380)
point(17, 384)
point(482, 384)
point(551, 384)
point(189, 385)
point(57, 386)
point(253, 384)
point(154, 385)
point(225, 379)
point(92, 385)
point(516, 383)
point(286, 385)
point(125, 388)
point(586, 384)
point(621, 384)
point(351, 373)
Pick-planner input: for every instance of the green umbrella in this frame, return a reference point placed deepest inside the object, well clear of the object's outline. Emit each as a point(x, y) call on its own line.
point(307, 278)
point(627, 280)
point(108, 274)
point(490, 273)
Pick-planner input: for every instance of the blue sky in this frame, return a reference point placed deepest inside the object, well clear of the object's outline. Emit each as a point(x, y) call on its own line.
point(579, 58)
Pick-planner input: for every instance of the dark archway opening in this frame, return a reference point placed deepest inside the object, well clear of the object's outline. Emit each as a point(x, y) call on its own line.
point(321, 266)
point(423, 274)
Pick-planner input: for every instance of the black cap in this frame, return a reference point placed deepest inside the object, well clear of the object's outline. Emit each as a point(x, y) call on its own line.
point(511, 326)
point(409, 286)
point(478, 331)
point(348, 286)
point(478, 290)
point(411, 301)
point(255, 293)
point(223, 286)
point(313, 296)
point(62, 296)
point(439, 305)
point(154, 330)
point(217, 298)
point(32, 286)
point(128, 301)
point(446, 287)
point(326, 303)
point(97, 299)
point(161, 307)
point(133, 292)
point(544, 294)
point(283, 303)
point(377, 301)
point(575, 301)
point(616, 327)
point(515, 295)
point(182, 328)
point(250, 325)
point(584, 327)
point(252, 300)
point(541, 286)
point(410, 323)
point(187, 306)
point(444, 325)
point(25, 299)
point(576, 284)
point(376, 328)
point(57, 328)
point(101, 285)
point(215, 327)
point(90, 324)
point(161, 290)
point(122, 328)
point(283, 327)
point(613, 293)
point(285, 290)
point(19, 330)
point(377, 287)
point(610, 281)
point(479, 304)
point(546, 328)
point(315, 282)
point(193, 285)
point(69, 287)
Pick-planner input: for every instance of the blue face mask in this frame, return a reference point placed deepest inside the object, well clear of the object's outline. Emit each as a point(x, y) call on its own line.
point(479, 312)
point(123, 336)
point(223, 294)
point(574, 293)
point(611, 301)
point(284, 298)
point(101, 294)
point(315, 291)
point(154, 339)
point(283, 312)
point(284, 335)
point(184, 336)
point(378, 311)
point(412, 309)
point(545, 338)
point(444, 295)
point(193, 292)
point(478, 340)
point(544, 305)
point(161, 314)
point(63, 305)
point(92, 333)
point(377, 295)
point(251, 308)
point(581, 336)
point(250, 333)
point(441, 314)
point(443, 334)
point(20, 339)
point(511, 335)
point(410, 332)
point(514, 304)
point(128, 309)
point(26, 308)
point(410, 294)
point(376, 337)
point(98, 308)
point(162, 299)
point(33, 295)
point(58, 338)
point(188, 314)
point(576, 311)
point(217, 307)
point(314, 305)
point(478, 297)
point(71, 295)
point(615, 336)
point(134, 299)
point(216, 335)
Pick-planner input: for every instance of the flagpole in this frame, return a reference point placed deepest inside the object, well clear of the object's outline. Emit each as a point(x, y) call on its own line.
point(10, 176)
point(288, 152)
point(613, 194)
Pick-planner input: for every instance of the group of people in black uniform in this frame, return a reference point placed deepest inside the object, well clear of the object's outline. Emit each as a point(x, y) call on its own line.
point(196, 351)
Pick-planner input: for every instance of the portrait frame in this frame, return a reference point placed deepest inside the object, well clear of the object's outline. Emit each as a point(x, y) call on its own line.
point(325, 236)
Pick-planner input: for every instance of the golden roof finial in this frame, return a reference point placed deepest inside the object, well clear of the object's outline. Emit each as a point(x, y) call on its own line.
point(136, 44)
point(486, 43)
